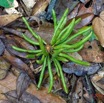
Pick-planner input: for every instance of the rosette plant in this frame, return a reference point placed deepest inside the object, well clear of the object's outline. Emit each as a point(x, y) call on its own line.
point(58, 50)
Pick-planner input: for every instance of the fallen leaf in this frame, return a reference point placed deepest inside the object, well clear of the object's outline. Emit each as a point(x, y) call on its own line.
point(44, 96)
point(97, 22)
point(99, 97)
point(4, 101)
point(4, 67)
point(92, 52)
point(98, 82)
point(2, 47)
point(80, 11)
point(9, 83)
point(98, 6)
point(78, 93)
point(79, 70)
point(6, 19)
point(23, 83)
point(61, 6)
point(18, 63)
point(17, 41)
point(40, 6)
point(25, 98)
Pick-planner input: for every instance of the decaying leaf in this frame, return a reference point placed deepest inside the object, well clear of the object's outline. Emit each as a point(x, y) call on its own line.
point(98, 82)
point(80, 11)
point(80, 70)
point(98, 6)
point(44, 96)
point(100, 97)
point(40, 6)
point(4, 67)
point(92, 52)
point(61, 5)
point(9, 83)
point(98, 27)
point(18, 63)
point(6, 19)
point(78, 93)
point(4, 101)
point(14, 40)
point(89, 89)
point(23, 82)
point(2, 47)
point(25, 98)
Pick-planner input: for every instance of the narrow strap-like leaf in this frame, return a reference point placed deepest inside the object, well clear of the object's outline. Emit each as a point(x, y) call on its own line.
point(29, 28)
point(77, 34)
point(62, 76)
point(76, 45)
point(41, 60)
point(68, 32)
point(59, 26)
point(42, 46)
point(25, 50)
point(54, 19)
point(42, 73)
point(62, 59)
point(56, 67)
point(74, 60)
point(50, 75)
point(30, 40)
point(73, 50)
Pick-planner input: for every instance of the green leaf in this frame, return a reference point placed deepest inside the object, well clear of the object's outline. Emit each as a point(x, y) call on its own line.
point(6, 3)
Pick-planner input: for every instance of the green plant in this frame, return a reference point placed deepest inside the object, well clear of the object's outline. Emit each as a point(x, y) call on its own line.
point(59, 48)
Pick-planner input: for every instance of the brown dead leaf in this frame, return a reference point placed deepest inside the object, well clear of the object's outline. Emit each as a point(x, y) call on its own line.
point(98, 82)
point(80, 11)
point(40, 6)
point(44, 96)
point(9, 83)
point(6, 19)
point(61, 6)
point(45, 31)
point(4, 67)
point(4, 101)
point(100, 97)
point(92, 53)
point(98, 6)
point(18, 63)
point(98, 27)
point(79, 91)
